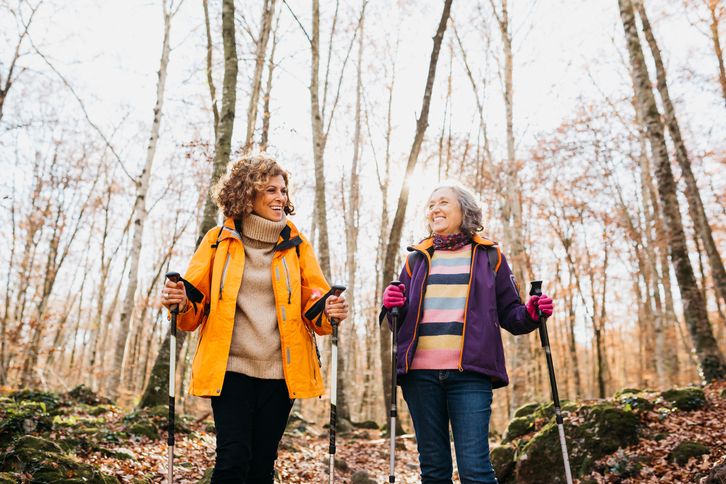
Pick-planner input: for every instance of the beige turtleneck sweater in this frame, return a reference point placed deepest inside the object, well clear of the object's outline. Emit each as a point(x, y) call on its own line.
point(255, 348)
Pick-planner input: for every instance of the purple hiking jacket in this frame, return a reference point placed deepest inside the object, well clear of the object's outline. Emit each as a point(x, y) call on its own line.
point(493, 301)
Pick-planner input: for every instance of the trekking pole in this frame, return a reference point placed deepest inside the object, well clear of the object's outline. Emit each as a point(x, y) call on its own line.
point(173, 310)
point(536, 290)
point(334, 291)
point(394, 389)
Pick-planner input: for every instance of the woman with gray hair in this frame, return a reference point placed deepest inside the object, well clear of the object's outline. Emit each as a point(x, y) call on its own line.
point(456, 290)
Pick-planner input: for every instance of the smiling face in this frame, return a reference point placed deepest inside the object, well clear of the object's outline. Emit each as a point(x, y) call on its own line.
point(270, 201)
point(444, 212)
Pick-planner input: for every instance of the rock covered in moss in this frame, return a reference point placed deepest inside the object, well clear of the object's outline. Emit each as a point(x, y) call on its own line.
point(150, 422)
point(51, 400)
point(689, 398)
point(687, 449)
point(635, 402)
point(527, 409)
point(45, 461)
point(502, 457)
point(83, 394)
point(605, 429)
point(518, 427)
point(22, 417)
point(625, 391)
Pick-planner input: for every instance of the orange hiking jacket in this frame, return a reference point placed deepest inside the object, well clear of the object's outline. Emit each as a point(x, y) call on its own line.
point(297, 281)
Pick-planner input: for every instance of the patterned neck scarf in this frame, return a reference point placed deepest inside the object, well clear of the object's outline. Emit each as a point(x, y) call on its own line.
point(451, 242)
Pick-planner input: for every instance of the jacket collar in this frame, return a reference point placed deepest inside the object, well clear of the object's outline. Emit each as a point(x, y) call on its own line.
point(289, 236)
point(427, 245)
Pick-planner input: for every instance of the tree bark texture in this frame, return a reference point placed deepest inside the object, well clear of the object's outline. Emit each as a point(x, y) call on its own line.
point(140, 213)
point(711, 365)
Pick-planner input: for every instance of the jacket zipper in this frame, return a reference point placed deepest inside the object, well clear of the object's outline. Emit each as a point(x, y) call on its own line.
point(466, 305)
point(420, 302)
point(287, 280)
point(224, 274)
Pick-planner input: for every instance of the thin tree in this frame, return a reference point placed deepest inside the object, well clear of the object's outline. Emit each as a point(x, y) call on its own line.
point(693, 195)
point(14, 71)
point(711, 363)
point(394, 236)
point(141, 183)
point(155, 390)
point(261, 42)
point(512, 204)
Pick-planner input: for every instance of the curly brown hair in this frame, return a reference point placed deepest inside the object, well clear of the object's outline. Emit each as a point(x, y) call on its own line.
point(234, 193)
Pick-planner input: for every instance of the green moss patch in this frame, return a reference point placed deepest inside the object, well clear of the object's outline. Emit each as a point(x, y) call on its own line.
point(604, 430)
point(689, 398)
point(687, 449)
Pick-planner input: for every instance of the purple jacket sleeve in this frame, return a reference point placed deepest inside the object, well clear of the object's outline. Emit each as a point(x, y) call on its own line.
point(406, 281)
point(513, 315)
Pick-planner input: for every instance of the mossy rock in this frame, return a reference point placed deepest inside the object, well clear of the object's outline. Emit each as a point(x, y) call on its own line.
point(626, 391)
point(45, 461)
point(687, 449)
point(525, 410)
point(502, 458)
point(605, 428)
point(151, 421)
point(83, 394)
point(23, 417)
point(51, 400)
point(145, 429)
point(631, 401)
point(518, 427)
point(689, 398)
point(547, 411)
point(621, 465)
point(366, 424)
point(119, 454)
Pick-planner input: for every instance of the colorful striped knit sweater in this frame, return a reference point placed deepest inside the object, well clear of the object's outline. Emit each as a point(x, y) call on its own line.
point(441, 328)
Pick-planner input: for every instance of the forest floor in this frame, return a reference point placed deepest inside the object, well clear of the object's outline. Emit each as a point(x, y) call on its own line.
point(107, 439)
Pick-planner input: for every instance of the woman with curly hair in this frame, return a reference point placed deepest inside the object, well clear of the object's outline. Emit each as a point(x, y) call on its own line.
point(457, 289)
point(257, 291)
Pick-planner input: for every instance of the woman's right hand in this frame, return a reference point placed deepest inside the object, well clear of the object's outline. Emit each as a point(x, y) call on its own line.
point(393, 296)
point(174, 294)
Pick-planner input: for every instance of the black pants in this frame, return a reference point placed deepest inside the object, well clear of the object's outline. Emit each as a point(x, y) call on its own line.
point(250, 417)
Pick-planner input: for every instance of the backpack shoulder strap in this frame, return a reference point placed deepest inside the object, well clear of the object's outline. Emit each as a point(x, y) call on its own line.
point(495, 257)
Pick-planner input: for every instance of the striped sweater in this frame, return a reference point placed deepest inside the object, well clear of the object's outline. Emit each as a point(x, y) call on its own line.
point(440, 332)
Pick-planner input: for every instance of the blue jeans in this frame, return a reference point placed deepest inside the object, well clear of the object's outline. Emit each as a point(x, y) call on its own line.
point(437, 397)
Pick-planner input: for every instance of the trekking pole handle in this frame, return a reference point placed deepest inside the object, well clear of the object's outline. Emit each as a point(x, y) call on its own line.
point(174, 277)
point(336, 291)
point(394, 310)
point(536, 290)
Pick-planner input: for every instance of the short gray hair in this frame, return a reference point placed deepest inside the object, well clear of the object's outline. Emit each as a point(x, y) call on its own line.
point(471, 213)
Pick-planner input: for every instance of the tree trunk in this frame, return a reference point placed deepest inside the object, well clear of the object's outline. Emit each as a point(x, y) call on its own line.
point(713, 6)
point(210, 72)
point(693, 195)
point(318, 129)
point(267, 96)
point(512, 213)
point(394, 238)
point(711, 365)
point(261, 48)
point(140, 213)
point(158, 382)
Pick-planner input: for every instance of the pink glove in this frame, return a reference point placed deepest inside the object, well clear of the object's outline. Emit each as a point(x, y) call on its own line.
point(543, 303)
point(393, 296)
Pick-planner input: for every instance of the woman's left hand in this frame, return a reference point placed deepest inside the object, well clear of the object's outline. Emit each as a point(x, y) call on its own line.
point(336, 308)
point(544, 303)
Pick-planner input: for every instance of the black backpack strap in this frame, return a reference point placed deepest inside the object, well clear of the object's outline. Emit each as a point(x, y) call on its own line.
point(495, 257)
